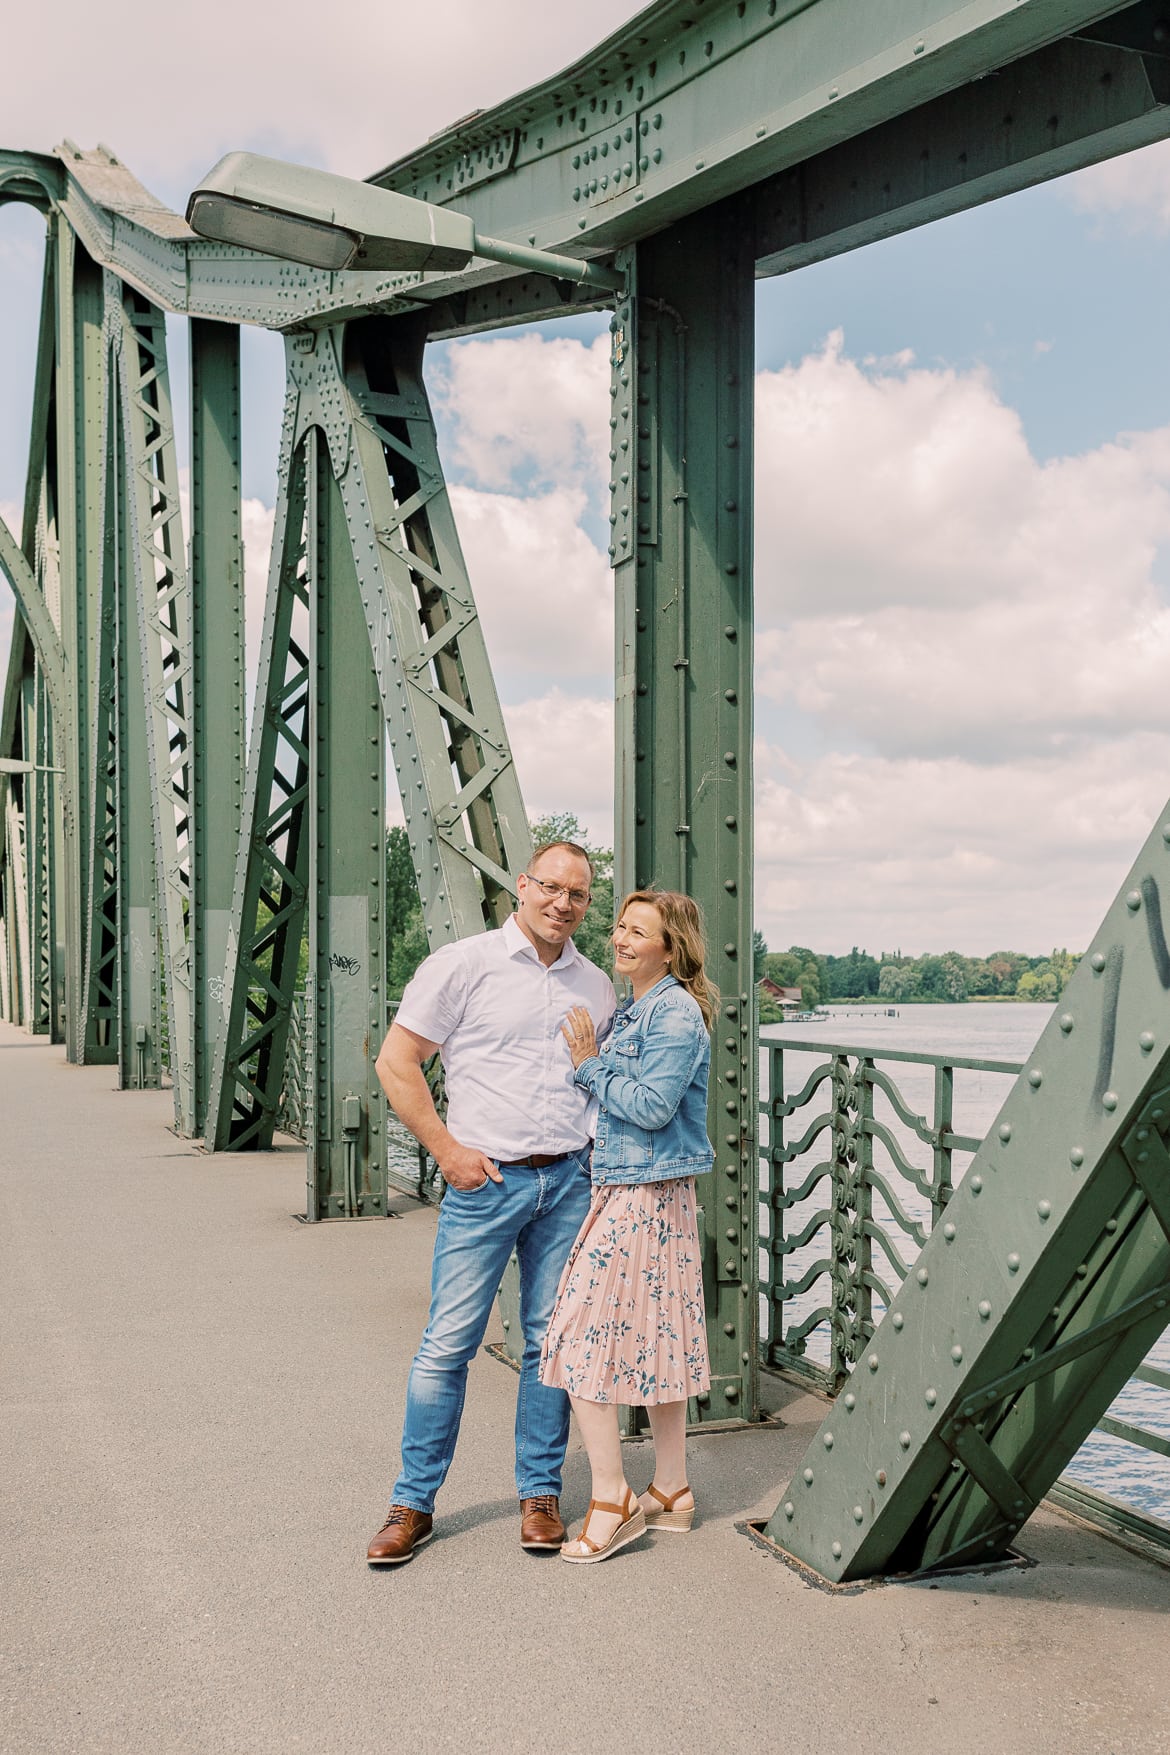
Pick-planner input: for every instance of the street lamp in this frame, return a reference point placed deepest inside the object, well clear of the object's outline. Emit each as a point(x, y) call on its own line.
point(335, 223)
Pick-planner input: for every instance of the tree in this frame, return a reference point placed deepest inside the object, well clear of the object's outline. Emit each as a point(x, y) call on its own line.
point(405, 953)
point(759, 952)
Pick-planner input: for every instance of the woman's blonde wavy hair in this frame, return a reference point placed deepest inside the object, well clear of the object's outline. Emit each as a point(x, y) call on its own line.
point(686, 944)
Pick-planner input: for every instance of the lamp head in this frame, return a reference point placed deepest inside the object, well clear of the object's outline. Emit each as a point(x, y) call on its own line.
point(325, 221)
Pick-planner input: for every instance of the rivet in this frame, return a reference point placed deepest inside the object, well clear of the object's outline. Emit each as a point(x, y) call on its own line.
point(872, 1361)
point(1111, 1226)
point(949, 1233)
point(1013, 1262)
point(1146, 1041)
point(1066, 1022)
point(904, 1440)
point(827, 1441)
point(1133, 901)
point(1035, 1078)
point(1005, 1131)
point(984, 1309)
point(957, 1355)
point(1109, 1101)
point(858, 1514)
point(850, 1402)
point(922, 1276)
point(880, 1477)
point(789, 1510)
point(808, 1477)
point(731, 1392)
point(836, 1550)
point(1076, 1157)
point(1044, 1208)
point(1097, 962)
point(976, 1183)
point(931, 1397)
point(898, 1319)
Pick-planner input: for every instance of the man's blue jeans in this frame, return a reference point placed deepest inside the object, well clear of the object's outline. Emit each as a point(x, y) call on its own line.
point(538, 1213)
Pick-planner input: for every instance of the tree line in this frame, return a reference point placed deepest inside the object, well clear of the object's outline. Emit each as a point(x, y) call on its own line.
point(944, 979)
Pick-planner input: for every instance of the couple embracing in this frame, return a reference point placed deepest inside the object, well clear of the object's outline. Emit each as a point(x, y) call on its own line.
point(575, 1129)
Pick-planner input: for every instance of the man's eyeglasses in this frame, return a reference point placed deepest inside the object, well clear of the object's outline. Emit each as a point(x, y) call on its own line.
point(554, 892)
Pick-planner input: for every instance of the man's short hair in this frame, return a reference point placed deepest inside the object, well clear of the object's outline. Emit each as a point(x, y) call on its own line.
point(569, 847)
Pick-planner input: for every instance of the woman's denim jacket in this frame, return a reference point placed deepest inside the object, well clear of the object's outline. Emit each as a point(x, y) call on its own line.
point(649, 1076)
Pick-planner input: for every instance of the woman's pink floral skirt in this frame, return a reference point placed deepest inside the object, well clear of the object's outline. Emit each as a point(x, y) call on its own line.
point(628, 1324)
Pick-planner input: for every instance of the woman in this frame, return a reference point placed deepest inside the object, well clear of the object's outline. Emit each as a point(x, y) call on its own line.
point(628, 1324)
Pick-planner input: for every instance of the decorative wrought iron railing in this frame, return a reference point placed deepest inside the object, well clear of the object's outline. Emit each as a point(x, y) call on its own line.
point(856, 1172)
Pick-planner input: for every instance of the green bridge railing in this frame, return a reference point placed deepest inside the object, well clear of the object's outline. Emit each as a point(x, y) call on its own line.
point(856, 1171)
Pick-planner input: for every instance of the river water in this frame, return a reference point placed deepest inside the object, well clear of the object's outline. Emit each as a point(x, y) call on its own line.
point(992, 1031)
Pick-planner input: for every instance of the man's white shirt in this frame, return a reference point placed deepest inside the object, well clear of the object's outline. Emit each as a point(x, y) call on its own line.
point(496, 1012)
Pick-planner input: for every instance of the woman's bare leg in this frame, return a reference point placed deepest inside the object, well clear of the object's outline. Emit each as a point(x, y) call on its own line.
point(668, 1423)
point(598, 1423)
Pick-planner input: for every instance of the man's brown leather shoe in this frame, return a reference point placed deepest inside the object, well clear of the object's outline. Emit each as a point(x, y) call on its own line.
point(404, 1530)
point(541, 1528)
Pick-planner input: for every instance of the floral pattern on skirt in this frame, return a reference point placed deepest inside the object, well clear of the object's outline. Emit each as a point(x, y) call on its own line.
point(628, 1324)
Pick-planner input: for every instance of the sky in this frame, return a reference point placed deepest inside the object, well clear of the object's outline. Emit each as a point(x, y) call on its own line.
point(963, 476)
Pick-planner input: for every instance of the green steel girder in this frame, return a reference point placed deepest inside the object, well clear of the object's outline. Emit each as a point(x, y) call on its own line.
point(681, 513)
point(372, 559)
point(1052, 112)
point(159, 575)
point(692, 102)
point(217, 678)
point(65, 489)
point(346, 994)
point(270, 891)
point(1035, 1298)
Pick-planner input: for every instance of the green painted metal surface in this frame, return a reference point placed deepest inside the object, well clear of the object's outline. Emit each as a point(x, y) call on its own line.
point(217, 680)
point(681, 516)
point(1033, 1302)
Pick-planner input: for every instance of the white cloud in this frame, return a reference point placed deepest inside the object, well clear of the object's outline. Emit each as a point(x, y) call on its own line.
point(563, 748)
point(1135, 186)
point(526, 410)
point(544, 592)
point(925, 584)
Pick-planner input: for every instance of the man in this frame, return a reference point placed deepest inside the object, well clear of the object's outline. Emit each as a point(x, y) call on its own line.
point(515, 1156)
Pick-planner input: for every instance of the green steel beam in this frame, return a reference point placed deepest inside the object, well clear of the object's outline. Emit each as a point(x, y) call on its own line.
point(693, 102)
point(1033, 1301)
point(270, 891)
point(364, 531)
point(681, 513)
point(71, 510)
point(140, 1059)
point(158, 577)
point(345, 1108)
point(1066, 106)
point(217, 678)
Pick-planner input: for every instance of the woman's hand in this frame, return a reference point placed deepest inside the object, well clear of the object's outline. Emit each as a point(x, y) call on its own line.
point(579, 1033)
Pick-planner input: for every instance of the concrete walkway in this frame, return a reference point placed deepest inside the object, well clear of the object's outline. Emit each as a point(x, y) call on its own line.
point(201, 1408)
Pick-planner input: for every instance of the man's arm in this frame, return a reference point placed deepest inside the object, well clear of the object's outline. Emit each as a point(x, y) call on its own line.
point(399, 1066)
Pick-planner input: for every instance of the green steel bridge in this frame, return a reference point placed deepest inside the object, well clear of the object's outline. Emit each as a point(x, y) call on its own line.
point(159, 874)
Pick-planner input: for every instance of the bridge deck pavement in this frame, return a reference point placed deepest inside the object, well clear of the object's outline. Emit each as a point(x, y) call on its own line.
point(202, 1400)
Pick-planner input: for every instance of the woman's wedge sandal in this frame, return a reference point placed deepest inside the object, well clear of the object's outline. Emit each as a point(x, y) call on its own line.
point(632, 1526)
point(668, 1518)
